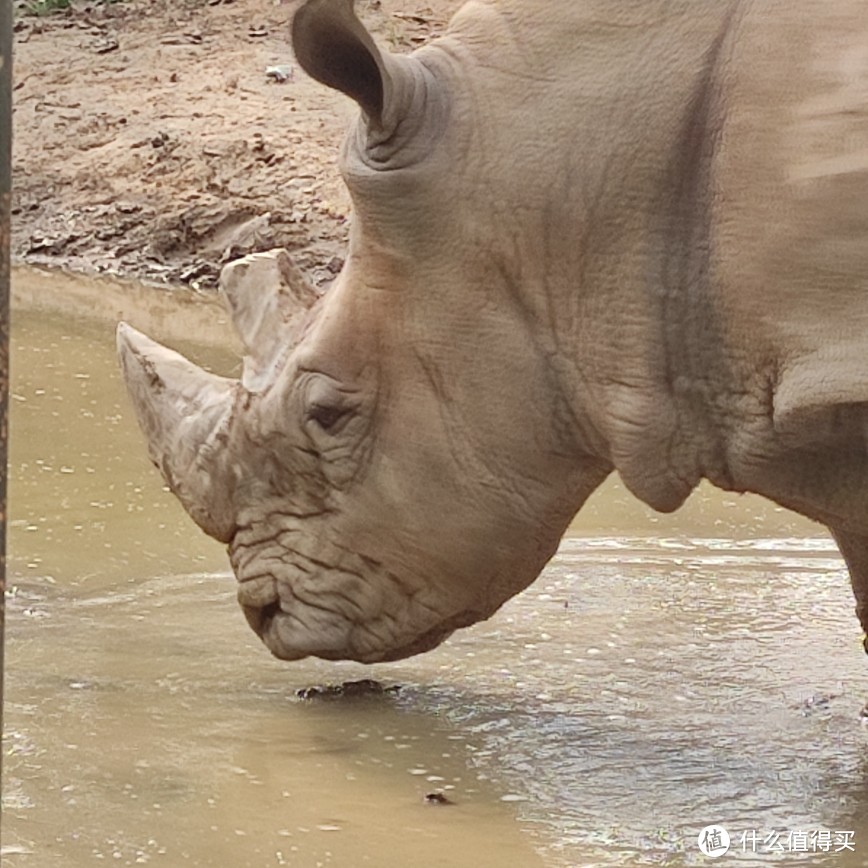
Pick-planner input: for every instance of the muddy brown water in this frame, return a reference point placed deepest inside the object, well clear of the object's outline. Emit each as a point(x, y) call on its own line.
point(664, 673)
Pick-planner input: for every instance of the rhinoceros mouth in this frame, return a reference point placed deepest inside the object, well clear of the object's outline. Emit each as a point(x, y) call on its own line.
point(271, 623)
point(293, 625)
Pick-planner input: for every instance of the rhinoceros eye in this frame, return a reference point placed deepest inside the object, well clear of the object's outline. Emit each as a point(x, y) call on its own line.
point(328, 406)
point(328, 417)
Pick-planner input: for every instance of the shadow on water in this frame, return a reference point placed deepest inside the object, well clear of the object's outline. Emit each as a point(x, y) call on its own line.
point(663, 674)
point(182, 742)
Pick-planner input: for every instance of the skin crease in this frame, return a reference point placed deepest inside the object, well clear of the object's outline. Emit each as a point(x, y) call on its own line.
point(624, 236)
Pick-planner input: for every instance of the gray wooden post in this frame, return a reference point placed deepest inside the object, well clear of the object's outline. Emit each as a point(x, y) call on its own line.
point(5, 192)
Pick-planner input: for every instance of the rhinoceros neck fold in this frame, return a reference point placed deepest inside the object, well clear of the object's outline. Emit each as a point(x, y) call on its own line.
point(605, 244)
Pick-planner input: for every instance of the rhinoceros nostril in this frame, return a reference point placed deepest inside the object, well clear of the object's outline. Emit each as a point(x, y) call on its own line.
point(259, 617)
point(269, 611)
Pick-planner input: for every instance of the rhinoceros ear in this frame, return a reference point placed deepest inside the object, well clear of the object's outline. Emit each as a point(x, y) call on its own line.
point(268, 298)
point(184, 413)
point(332, 46)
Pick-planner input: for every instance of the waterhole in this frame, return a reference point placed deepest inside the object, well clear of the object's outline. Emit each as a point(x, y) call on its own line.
point(663, 674)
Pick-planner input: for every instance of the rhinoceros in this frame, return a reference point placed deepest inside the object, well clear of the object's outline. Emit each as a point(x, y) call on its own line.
point(588, 236)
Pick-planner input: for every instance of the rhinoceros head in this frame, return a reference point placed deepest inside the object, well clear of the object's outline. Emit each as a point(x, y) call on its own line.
point(398, 458)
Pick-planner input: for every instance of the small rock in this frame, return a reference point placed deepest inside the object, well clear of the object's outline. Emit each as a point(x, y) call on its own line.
point(197, 270)
point(353, 689)
point(104, 45)
point(280, 74)
point(437, 799)
point(817, 702)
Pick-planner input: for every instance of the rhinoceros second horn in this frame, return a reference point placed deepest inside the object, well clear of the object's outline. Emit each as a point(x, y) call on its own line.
point(268, 299)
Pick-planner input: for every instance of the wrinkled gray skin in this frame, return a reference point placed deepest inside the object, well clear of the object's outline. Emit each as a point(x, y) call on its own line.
point(588, 235)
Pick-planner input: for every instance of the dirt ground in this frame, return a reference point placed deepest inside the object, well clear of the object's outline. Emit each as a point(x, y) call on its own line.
point(151, 139)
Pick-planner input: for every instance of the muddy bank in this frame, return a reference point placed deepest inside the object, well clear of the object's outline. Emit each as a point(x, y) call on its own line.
point(159, 139)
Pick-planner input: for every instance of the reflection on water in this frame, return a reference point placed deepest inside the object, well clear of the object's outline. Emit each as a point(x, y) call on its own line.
point(663, 674)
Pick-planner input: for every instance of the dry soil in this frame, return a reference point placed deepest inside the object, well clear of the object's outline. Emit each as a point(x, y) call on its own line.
point(151, 140)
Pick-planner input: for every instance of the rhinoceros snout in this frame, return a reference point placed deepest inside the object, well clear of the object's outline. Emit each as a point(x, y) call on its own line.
point(293, 641)
point(353, 609)
point(292, 631)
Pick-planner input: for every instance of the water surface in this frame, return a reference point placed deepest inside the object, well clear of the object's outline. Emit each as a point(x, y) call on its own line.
point(663, 674)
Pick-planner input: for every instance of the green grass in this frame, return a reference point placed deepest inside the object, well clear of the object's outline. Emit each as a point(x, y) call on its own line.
point(40, 8)
point(45, 7)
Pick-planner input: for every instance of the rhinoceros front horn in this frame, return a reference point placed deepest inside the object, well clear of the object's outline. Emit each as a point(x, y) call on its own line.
point(185, 414)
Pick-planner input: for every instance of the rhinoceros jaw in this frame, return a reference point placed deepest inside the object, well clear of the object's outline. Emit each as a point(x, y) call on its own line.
point(302, 607)
point(293, 635)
